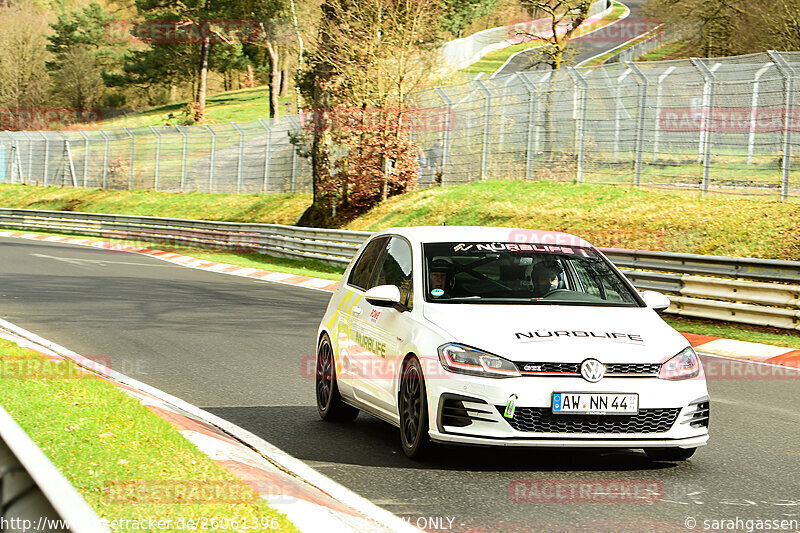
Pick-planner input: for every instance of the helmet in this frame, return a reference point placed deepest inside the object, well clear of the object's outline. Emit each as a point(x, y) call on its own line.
point(542, 276)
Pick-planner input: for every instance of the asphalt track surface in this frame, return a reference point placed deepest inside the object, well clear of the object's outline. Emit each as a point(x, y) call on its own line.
point(236, 347)
point(582, 48)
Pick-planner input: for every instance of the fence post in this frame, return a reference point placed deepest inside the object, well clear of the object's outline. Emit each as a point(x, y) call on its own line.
point(105, 158)
point(788, 74)
point(213, 157)
point(14, 159)
point(297, 129)
point(708, 106)
point(659, 125)
point(158, 155)
point(751, 140)
point(85, 156)
point(267, 153)
point(580, 122)
point(46, 155)
point(183, 157)
point(641, 82)
point(130, 172)
point(532, 100)
point(3, 160)
point(239, 162)
point(487, 109)
point(30, 155)
point(446, 148)
point(619, 109)
point(68, 166)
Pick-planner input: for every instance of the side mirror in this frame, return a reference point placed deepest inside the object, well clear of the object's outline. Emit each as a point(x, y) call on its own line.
point(656, 301)
point(383, 296)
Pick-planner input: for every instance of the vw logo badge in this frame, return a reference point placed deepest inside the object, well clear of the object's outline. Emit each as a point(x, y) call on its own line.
point(592, 370)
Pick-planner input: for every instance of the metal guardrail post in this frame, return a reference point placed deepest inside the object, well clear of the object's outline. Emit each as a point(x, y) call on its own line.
point(130, 170)
point(267, 153)
point(533, 97)
point(105, 158)
point(751, 138)
point(641, 81)
point(619, 109)
point(241, 156)
point(447, 141)
point(708, 106)
point(659, 89)
point(212, 159)
point(158, 155)
point(297, 129)
point(580, 123)
point(487, 110)
point(788, 74)
point(183, 156)
point(85, 156)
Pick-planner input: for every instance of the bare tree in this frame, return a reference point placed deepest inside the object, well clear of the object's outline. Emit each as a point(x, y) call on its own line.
point(560, 20)
point(23, 53)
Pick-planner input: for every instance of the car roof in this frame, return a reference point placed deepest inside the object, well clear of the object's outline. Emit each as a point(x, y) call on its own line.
point(424, 234)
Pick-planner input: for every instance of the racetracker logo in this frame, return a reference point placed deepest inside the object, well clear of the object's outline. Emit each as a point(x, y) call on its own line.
point(185, 492)
point(45, 118)
point(356, 119)
point(730, 119)
point(585, 491)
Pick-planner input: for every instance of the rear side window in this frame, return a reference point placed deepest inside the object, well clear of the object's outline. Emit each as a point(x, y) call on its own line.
point(362, 271)
point(395, 269)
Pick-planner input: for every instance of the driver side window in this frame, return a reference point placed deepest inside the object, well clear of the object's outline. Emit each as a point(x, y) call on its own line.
point(394, 268)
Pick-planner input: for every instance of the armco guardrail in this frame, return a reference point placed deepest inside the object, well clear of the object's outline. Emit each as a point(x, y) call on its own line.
point(750, 291)
point(34, 496)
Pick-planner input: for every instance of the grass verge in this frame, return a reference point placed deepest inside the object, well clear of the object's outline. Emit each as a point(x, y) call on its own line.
point(125, 461)
point(732, 330)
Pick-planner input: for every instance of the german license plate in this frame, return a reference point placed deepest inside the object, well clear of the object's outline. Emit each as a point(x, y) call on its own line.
point(595, 404)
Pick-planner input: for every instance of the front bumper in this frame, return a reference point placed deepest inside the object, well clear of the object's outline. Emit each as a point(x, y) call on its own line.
point(469, 410)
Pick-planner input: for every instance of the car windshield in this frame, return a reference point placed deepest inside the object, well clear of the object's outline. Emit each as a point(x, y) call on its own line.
point(508, 273)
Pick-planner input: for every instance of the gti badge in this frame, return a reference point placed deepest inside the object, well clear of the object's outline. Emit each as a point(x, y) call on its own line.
point(592, 370)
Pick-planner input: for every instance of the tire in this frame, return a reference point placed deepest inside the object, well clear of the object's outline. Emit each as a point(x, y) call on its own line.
point(330, 405)
point(669, 454)
point(413, 409)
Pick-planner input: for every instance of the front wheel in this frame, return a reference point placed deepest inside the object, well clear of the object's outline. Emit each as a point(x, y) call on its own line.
point(330, 405)
point(413, 408)
point(669, 454)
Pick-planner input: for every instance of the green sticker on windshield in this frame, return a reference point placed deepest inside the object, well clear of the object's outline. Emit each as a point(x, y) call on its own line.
point(437, 292)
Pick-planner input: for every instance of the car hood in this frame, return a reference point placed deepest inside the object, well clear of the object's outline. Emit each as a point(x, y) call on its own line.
point(550, 333)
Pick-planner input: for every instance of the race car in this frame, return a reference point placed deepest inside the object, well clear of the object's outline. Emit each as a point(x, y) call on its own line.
point(506, 337)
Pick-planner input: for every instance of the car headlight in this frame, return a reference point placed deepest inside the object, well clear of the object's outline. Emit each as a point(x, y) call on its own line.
point(465, 360)
point(685, 365)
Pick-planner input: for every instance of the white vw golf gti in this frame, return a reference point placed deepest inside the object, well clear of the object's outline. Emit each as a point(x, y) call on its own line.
point(506, 337)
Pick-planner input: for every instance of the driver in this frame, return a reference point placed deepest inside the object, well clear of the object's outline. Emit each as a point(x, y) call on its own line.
point(440, 277)
point(544, 278)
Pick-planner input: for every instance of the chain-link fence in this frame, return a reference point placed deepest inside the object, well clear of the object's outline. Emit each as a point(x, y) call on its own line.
point(251, 157)
point(724, 125)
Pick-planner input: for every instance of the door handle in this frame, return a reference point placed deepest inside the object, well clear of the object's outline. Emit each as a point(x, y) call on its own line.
point(357, 311)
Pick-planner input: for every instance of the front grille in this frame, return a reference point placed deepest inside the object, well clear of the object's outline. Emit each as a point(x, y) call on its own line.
point(542, 420)
point(532, 369)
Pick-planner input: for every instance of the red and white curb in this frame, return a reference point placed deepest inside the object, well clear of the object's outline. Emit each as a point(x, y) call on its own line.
point(310, 500)
point(183, 260)
point(750, 351)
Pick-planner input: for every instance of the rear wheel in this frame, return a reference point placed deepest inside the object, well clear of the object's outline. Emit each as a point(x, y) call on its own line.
point(669, 454)
point(330, 405)
point(413, 409)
